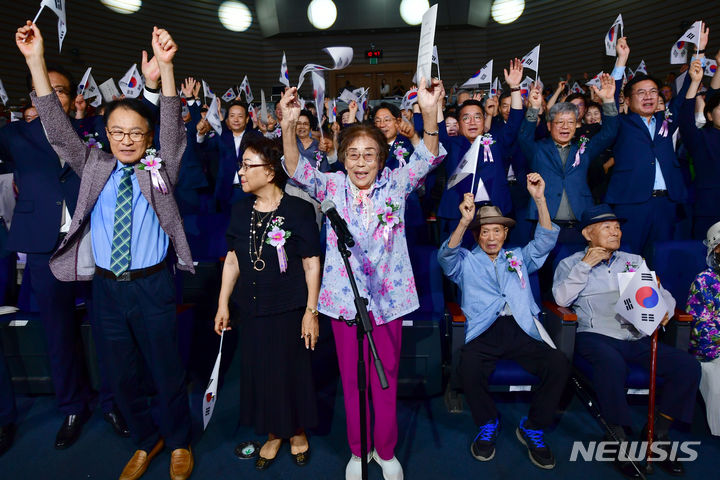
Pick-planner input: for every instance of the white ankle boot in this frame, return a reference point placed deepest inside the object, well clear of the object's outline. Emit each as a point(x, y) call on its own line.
point(353, 471)
point(392, 470)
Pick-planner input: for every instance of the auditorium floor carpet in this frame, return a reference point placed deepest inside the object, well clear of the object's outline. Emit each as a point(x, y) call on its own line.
point(433, 444)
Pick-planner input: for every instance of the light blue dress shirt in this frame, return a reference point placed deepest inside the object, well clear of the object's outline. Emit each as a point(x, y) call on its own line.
point(148, 241)
point(487, 286)
point(659, 184)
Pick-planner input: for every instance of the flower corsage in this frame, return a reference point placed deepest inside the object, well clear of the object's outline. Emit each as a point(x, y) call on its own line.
point(400, 154)
point(318, 159)
point(153, 164)
point(277, 238)
point(581, 149)
point(515, 265)
point(388, 217)
point(630, 267)
point(665, 129)
point(91, 140)
point(486, 141)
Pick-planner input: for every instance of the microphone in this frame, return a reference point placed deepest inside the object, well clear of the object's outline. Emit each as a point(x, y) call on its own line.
point(338, 223)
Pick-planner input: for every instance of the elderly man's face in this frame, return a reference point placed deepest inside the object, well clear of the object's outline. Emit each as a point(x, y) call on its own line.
point(491, 238)
point(605, 235)
point(580, 104)
point(562, 128)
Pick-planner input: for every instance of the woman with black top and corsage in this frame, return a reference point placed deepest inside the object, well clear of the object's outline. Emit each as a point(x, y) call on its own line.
point(272, 271)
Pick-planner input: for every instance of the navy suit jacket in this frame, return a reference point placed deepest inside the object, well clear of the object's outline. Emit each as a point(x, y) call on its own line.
point(192, 174)
point(43, 184)
point(493, 173)
point(636, 152)
point(224, 144)
point(704, 146)
point(545, 160)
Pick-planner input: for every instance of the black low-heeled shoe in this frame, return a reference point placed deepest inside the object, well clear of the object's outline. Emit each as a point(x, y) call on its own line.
point(263, 463)
point(302, 458)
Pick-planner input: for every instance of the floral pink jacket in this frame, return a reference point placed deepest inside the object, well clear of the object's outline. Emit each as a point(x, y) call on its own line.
point(379, 259)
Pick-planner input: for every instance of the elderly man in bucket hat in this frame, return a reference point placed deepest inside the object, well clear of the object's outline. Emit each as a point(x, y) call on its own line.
point(502, 320)
point(588, 281)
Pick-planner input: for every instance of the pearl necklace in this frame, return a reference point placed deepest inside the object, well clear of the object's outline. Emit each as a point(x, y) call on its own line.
point(256, 221)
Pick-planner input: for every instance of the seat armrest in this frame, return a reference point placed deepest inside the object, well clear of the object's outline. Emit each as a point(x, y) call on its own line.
point(560, 323)
point(677, 331)
point(455, 312)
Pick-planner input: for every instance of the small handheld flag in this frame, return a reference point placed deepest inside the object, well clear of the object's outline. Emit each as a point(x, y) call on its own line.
point(284, 77)
point(3, 94)
point(229, 96)
point(210, 396)
point(342, 57)
point(615, 32)
point(481, 77)
point(131, 84)
point(57, 6)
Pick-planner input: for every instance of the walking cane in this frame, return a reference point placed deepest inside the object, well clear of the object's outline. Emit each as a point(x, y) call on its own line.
point(595, 412)
point(651, 400)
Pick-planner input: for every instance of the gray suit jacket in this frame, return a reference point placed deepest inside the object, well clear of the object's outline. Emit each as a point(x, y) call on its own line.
point(74, 259)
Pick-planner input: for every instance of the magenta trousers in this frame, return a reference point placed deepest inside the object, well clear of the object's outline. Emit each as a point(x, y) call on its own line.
point(384, 402)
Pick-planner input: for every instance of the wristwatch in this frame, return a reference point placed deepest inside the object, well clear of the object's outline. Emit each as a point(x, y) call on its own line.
point(314, 311)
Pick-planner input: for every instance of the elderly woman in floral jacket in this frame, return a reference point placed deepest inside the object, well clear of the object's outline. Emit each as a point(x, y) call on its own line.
point(372, 199)
point(704, 305)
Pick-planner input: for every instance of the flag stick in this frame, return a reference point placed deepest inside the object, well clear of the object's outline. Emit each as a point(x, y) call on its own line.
point(651, 400)
point(39, 12)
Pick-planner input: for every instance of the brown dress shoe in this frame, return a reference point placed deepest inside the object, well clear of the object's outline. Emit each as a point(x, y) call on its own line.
point(181, 463)
point(140, 461)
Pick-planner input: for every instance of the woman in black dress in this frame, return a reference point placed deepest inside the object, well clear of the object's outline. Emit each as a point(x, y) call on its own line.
point(272, 271)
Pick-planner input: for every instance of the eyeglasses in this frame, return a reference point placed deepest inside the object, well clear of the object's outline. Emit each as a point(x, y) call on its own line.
point(477, 117)
point(244, 167)
point(368, 155)
point(563, 123)
point(383, 120)
point(119, 135)
point(646, 93)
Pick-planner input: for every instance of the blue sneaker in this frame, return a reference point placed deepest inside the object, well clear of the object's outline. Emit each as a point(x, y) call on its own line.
point(538, 452)
point(483, 446)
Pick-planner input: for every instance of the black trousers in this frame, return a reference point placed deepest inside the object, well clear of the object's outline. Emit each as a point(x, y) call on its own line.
point(137, 322)
point(56, 300)
point(506, 340)
point(610, 357)
point(8, 414)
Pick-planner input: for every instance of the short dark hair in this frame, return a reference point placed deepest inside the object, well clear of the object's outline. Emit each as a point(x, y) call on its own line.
point(468, 103)
point(270, 151)
point(711, 102)
point(238, 103)
point(363, 130)
point(134, 105)
point(593, 105)
point(575, 96)
point(311, 118)
point(57, 69)
point(503, 95)
point(448, 114)
point(393, 109)
point(639, 77)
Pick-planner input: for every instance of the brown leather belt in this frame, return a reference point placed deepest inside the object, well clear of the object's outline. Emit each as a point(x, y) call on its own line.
point(129, 275)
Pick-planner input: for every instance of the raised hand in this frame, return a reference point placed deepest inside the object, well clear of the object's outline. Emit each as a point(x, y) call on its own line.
point(290, 108)
point(467, 209)
point(150, 70)
point(696, 71)
point(535, 185)
point(561, 85)
point(164, 47)
point(514, 75)
point(188, 87)
point(535, 97)
point(429, 95)
point(405, 128)
point(29, 41)
point(623, 50)
point(607, 92)
point(203, 127)
point(80, 106)
point(491, 106)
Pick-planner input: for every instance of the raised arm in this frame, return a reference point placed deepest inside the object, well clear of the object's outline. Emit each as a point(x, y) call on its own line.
point(623, 53)
point(526, 137)
point(60, 132)
point(560, 89)
point(172, 128)
point(290, 108)
point(611, 122)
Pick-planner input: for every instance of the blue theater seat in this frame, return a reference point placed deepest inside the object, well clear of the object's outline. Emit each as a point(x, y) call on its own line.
point(676, 264)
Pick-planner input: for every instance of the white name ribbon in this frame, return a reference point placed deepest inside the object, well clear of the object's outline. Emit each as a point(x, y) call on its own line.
point(342, 57)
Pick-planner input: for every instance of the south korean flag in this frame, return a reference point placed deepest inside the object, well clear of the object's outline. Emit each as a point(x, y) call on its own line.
point(641, 302)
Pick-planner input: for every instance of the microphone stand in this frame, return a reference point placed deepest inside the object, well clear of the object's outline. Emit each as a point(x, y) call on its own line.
point(364, 329)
